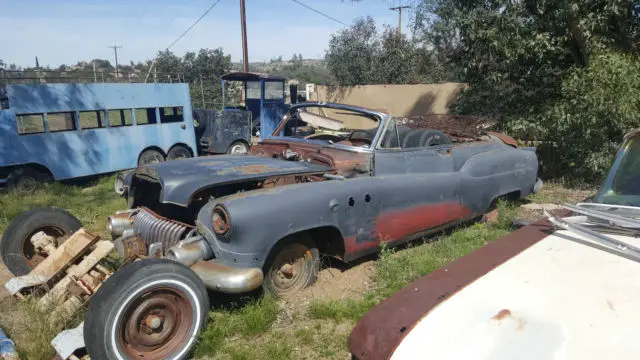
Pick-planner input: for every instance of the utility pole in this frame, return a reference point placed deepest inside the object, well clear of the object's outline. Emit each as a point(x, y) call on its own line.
point(115, 51)
point(243, 21)
point(399, 9)
point(95, 78)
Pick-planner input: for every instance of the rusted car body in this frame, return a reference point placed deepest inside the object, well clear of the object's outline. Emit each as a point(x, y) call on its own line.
point(332, 179)
point(563, 287)
point(350, 193)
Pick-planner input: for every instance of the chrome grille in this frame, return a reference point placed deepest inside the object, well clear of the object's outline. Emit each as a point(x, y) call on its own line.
point(153, 228)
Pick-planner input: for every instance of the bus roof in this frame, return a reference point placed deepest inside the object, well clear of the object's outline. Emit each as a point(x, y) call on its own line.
point(250, 76)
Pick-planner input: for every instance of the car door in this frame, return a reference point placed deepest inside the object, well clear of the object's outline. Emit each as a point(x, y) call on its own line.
point(424, 190)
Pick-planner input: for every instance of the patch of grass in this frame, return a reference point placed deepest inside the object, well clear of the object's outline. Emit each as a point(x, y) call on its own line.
point(339, 310)
point(91, 205)
point(32, 327)
point(559, 193)
point(249, 321)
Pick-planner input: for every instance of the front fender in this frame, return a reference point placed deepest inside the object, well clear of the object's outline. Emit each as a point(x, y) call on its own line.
point(259, 219)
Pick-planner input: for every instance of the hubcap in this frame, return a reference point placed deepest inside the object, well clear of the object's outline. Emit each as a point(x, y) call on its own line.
point(156, 325)
point(238, 149)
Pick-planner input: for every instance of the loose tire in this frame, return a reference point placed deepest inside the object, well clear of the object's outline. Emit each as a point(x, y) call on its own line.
point(150, 309)
point(291, 267)
point(26, 179)
point(17, 252)
point(178, 152)
point(150, 156)
point(238, 148)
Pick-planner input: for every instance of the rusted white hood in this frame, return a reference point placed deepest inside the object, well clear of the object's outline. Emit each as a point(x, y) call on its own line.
point(564, 297)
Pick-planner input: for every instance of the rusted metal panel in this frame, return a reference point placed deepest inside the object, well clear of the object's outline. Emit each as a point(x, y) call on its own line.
point(377, 334)
point(223, 128)
point(180, 180)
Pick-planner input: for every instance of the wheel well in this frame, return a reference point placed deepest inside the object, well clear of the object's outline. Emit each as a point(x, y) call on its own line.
point(510, 196)
point(328, 240)
point(5, 171)
point(151, 148)
point(182, 145)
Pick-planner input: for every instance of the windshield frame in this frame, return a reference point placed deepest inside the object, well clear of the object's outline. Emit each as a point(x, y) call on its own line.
point(380, 117)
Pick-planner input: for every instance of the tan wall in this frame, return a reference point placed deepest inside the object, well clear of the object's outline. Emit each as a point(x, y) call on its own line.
point(398, 100)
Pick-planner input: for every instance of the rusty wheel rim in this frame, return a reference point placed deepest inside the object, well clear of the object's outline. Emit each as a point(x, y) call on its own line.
point(34, 257)
point(290, 269)
point(156, 324)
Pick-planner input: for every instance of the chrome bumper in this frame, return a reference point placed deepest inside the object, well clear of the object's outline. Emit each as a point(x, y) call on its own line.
point(227, 279)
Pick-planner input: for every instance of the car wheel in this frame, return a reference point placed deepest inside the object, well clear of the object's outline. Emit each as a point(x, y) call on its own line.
point(150, 309)
point(238, 148)
point(16, 249)
point(292, 267)
point(150, 157)
point(178, 152)
point(26, 179)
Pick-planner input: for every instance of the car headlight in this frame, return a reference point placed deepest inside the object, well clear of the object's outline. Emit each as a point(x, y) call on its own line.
point(221, 220)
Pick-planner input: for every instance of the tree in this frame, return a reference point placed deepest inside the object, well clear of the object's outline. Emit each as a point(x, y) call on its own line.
point(352, 51)
point(361, 55)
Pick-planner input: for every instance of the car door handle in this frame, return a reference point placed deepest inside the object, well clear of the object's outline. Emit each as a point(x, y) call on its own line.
point(183, 126)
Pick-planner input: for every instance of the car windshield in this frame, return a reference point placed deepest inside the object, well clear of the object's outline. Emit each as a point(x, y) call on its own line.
point(335, 126)
point(622, 186)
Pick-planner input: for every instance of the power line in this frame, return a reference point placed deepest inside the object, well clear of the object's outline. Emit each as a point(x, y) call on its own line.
point(319, 12)
point(194, 24)
point(183, 34)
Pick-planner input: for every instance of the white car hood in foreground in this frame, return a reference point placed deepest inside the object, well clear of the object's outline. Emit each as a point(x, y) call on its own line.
point(564, 297)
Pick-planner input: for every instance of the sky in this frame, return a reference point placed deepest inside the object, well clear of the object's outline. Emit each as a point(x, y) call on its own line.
point(67, 31)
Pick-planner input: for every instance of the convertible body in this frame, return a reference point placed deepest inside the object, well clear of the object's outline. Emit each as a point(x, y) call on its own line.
point(564, 287)
point(388, 181)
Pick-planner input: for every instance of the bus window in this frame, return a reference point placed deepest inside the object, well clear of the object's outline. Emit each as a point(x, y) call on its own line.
point(60, 121)
point(145, 116)
point(171, 115)
point(91, 119)
point(120, 117)
point(30, 123)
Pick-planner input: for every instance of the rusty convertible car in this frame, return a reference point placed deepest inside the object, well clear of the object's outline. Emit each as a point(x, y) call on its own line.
point(563, 287)
point(332, 180)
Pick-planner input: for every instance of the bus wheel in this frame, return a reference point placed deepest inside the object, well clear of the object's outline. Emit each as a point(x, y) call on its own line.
point(25, 179)
point(178, 152)
point(149, 309)
point(16, 249)
point(150, 156)
point(238, 148)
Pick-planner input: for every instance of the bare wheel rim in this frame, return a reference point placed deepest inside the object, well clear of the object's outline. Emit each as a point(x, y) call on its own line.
point(156, 325)
point(290, 270)
point(29, 252)
point(239, 149)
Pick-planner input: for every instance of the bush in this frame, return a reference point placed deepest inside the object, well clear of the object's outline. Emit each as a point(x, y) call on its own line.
point(599, 104)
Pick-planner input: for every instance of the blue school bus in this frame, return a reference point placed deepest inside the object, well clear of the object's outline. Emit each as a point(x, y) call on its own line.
point(65, 131)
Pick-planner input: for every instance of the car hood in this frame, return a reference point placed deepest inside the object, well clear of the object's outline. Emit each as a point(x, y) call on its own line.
point(180, 179)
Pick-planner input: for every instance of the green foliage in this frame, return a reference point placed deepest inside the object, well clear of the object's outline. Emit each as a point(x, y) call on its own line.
point(202, 71)
point(598, 104)
point(360, 55)
point(536, 67)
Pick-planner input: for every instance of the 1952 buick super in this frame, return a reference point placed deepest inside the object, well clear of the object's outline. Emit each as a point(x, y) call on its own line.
point(332, 180)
